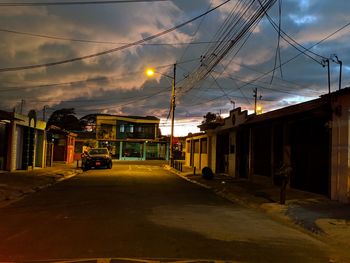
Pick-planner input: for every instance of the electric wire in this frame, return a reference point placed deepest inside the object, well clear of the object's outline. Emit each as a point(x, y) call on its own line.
point(284, 35)
point(242, 19)
point(21, 87)
point(300, 53)
point(195, 32)
point(18, 4)
point(101, 42)
point(225, 67)
point(157, 35)
point(278, 49)
point(220, 87)
point(132, 99)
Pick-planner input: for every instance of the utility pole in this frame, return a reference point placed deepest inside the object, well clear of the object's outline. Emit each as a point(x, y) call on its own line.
point(233, 104)
point(22, 106)
point(324, 62)
point(173, 96)
point(335, 59)
point(149, 72)
point(255, 95)
point(44, 113)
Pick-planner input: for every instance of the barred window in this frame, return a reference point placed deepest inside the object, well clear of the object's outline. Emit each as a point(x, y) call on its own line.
point(204, 145)
point(196, 146)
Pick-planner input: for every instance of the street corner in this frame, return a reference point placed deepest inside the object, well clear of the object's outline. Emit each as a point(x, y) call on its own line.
point(188, 177)
point(172, 170)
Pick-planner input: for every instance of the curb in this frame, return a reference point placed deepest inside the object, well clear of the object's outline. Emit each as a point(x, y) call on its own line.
point(34, 189)
point(180, 174)
point(276, 215)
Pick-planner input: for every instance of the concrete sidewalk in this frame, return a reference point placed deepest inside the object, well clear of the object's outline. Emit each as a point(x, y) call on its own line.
point(17, 184)
point(315, 213)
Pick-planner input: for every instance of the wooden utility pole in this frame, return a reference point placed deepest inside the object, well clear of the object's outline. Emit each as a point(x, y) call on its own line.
point(44, 113)
point(173, 96)
point(22, 106)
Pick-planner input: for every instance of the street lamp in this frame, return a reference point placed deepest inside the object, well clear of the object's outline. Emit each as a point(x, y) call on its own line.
point(258, 110)
point(325, 62)
point(150, 72)
point(335, 59)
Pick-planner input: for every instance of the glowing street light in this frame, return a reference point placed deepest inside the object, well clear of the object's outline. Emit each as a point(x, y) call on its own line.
point(258, 110)
point(150, 72)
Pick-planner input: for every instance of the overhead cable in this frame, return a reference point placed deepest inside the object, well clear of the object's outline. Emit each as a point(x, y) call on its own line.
point(284, 35)
point(76, 3)
point(299, 54)
point(114, 49)
point(243, 17)
point(90, 41)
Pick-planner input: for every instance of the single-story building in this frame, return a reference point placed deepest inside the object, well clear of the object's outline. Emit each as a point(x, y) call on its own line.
point(23, 141)
point(216, 147)
point(312, 138)
point(63, 144)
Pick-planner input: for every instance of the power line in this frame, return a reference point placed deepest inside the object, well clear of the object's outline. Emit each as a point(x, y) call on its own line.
point(221, 88)
point(279, 30)
point(130, 100)
point(100, 42)
point(228, 75)
point(242, 18)
point(77, 3)
point(278, 48)
point(301, 52)
point(195, 33)
point(114, 49)
point(14, 88)
point(238, 50)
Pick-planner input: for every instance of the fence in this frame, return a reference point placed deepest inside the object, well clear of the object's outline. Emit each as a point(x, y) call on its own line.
point(177, 164)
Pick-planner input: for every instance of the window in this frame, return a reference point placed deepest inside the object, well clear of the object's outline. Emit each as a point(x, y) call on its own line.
point(204, 145)
point(105, 131)
point(122, 128)
point(196, 146)
point(188, 146)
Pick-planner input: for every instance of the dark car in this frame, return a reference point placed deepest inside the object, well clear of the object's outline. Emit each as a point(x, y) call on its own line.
point(97, 157)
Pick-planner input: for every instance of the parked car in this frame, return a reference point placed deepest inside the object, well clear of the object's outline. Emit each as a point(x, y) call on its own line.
point(97, 158)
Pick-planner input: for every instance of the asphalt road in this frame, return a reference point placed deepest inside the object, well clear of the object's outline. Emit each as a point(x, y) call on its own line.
point(141, 211)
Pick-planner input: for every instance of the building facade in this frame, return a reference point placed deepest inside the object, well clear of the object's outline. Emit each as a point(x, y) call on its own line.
point(23, 141)
point(131, 137)
point(62, 144)
point(312, 138)
point(217, 146)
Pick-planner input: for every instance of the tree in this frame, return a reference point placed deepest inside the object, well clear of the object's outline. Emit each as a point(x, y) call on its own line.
point(88, 122)
point(66, 119)
point(210, 117)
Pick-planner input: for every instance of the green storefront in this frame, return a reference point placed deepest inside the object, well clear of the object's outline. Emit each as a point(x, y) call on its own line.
point(137, 150)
